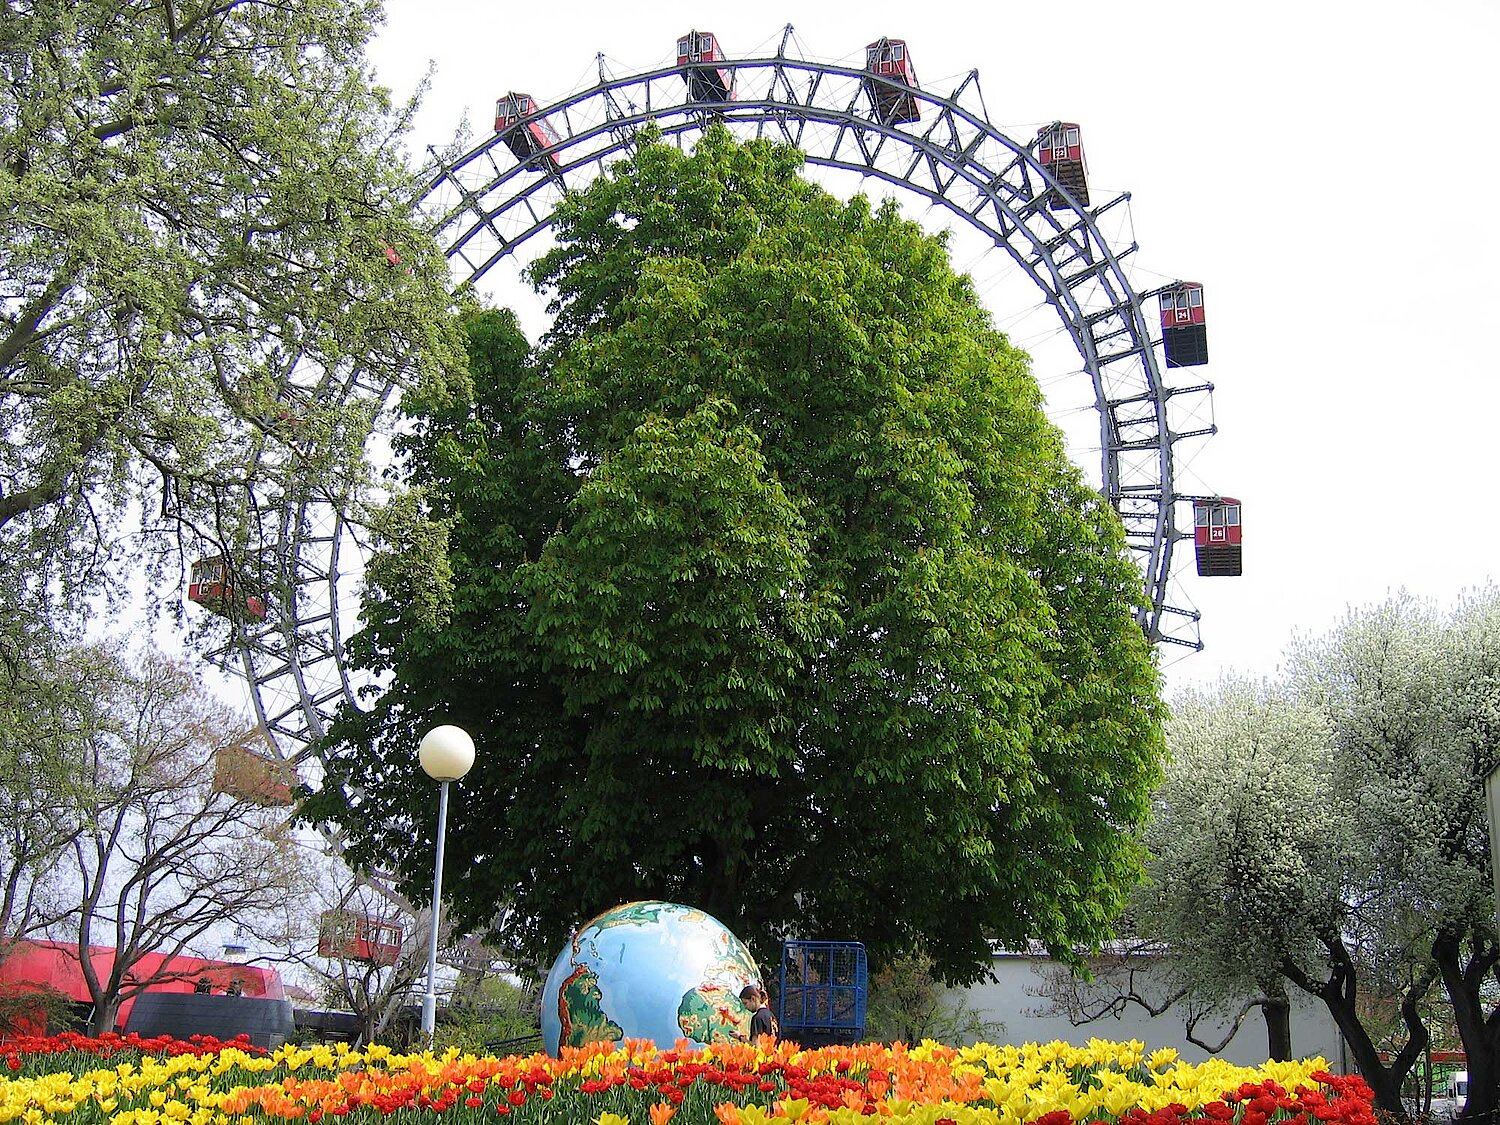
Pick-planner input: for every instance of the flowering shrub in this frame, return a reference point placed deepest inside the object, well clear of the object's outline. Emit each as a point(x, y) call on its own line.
point(636, 1084)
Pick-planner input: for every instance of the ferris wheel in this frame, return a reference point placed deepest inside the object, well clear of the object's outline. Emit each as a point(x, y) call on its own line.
point(1029, 198)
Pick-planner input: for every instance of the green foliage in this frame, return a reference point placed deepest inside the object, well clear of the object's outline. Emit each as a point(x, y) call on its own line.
point(908, 1004)
point(27, 1008)
point(497, 1013)
point(197, 201)
point(44, 693)
point(773, 592)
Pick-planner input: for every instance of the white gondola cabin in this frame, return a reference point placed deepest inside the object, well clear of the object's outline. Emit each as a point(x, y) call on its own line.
point(698, 52)
point(890, 80)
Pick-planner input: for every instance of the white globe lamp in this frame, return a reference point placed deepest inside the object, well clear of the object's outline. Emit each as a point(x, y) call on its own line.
point(446, 753)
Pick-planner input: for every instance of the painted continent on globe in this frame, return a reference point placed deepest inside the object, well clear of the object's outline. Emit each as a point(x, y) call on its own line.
point(648, 970)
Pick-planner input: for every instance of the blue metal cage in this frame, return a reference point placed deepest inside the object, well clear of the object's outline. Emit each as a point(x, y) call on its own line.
point(822, 991)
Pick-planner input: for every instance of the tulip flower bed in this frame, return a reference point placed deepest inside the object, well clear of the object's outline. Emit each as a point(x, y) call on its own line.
point(44, 1054)
point(97, 1082)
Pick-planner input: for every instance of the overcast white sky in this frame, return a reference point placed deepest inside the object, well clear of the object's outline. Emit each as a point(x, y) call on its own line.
point(1326, 169)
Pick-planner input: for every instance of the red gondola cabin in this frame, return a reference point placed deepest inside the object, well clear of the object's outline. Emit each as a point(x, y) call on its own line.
point(893, 99)
point(1184, 332)
point(1216, 537)
point(697, 51)
point(254, 777)
point(527, 140)
point(210, 585)
point(1060, 149)
point(348, 936)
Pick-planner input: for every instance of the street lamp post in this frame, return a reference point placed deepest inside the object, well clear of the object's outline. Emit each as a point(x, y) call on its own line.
point(446, 753)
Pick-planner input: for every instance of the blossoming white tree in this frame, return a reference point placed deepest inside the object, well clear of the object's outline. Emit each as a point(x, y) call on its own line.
point(1242, 845)
point(1414, 698)
point(1329, 833)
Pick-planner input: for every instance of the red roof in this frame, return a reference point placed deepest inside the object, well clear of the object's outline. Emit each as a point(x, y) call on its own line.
point(56, 963)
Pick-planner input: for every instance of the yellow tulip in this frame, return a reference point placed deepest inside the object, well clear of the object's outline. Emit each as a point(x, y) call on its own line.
point(1162, 1058)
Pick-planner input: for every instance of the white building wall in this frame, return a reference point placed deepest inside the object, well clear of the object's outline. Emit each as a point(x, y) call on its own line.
point(1014, 1000)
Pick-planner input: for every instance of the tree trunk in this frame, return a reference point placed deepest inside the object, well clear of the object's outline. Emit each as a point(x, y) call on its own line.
point(1340, 993)
point(1479, 1030)
point(1277, 1010)
point(103, 1019)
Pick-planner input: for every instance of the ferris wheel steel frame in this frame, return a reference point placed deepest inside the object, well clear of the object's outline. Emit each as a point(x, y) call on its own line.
point(484, 204)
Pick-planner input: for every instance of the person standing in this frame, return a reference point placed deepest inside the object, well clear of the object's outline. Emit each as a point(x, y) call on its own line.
point(762, 1022)
point(772, 1028)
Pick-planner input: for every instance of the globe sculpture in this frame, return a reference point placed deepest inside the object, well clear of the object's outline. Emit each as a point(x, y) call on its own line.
point(648, 970)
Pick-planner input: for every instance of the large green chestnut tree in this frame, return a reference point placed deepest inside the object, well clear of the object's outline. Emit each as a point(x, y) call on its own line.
point(764, 585)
